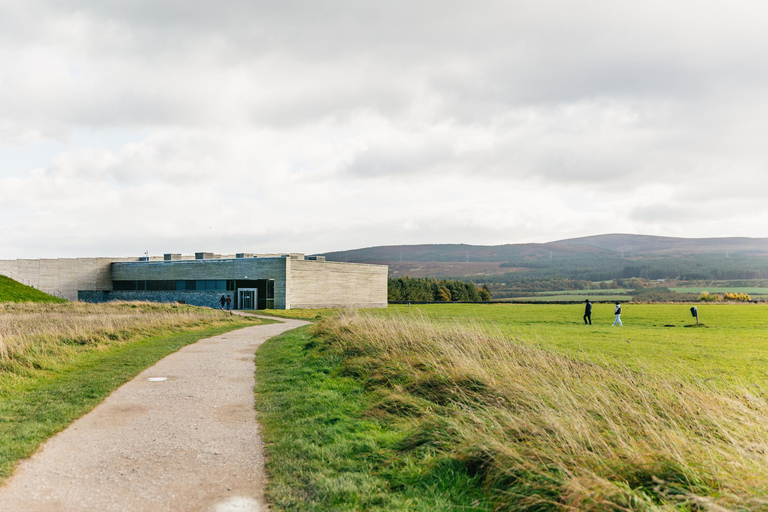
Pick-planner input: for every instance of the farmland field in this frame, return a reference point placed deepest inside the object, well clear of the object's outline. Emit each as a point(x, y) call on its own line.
point(570, 297)
point(753, 291)
point(620, 294)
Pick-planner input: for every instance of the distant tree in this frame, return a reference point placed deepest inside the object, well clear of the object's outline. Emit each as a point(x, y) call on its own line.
point(443, 294)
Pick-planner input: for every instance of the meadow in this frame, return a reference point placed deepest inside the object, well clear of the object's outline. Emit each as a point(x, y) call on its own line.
point(520, 407)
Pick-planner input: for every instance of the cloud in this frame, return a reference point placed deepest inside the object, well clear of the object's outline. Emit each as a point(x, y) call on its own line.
point(327, 125)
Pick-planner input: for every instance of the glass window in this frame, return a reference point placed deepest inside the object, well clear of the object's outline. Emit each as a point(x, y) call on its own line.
point(180, 285)
point(190, 285)
point(156, 285)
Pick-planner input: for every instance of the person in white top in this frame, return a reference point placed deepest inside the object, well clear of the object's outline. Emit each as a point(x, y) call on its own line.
point(617, 312)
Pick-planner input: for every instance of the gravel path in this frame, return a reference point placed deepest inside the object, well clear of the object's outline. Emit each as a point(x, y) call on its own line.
point(181, 436)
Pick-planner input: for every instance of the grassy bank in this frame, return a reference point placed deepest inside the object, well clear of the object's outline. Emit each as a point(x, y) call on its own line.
point(417, 413)
point(13, 291)
point(60, 360)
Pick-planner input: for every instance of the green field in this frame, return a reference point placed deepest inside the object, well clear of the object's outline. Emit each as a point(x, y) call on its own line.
point(732, 344)
point(519, 407)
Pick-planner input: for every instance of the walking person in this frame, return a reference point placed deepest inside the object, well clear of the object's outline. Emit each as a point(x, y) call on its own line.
point(229, 302)
point(588, 312)
point(617, 312)
point(222, 301)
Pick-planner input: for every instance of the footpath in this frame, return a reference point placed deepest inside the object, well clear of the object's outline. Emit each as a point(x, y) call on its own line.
point(182, 436)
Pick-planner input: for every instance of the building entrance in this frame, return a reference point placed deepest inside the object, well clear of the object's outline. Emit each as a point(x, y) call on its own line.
point(247, 298)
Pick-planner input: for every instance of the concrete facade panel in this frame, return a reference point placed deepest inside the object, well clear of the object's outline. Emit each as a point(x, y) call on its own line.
point(316, 284)
point(61, 277)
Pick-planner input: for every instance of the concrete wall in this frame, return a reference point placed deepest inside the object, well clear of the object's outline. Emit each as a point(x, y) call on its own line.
point(239, 268)
point(61, 277)
point(315, 284)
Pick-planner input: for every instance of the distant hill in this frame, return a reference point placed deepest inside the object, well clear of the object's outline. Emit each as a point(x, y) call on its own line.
point(646, 245)
point(13, 291)
point(593, 258)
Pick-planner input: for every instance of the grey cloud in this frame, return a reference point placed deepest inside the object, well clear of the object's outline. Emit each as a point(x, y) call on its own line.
point(604, 95)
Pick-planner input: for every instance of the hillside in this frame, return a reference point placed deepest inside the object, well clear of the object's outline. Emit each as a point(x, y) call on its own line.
point(658, 245)
point(13, 291)
point(594, 258)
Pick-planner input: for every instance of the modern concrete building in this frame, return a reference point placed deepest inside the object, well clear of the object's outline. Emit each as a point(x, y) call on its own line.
point(253, 281)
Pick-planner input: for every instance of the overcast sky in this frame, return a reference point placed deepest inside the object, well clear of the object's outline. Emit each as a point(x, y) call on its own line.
point(310, 126)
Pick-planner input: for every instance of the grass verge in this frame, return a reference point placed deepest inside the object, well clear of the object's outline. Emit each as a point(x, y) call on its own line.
point(328, 449)
point(39, 402)
point(297, 314)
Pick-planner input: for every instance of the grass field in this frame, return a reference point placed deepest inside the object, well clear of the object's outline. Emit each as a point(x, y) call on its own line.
point(732, 345)
point(520, 407)
point(58, 361)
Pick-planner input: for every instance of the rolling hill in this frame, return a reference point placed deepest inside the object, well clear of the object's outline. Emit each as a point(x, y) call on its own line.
point(597, 257)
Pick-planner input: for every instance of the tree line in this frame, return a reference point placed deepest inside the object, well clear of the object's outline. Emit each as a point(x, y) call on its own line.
point(405, 289)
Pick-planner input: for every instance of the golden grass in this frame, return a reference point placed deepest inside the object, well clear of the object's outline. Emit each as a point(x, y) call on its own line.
point(33, 334)
point(550, 432)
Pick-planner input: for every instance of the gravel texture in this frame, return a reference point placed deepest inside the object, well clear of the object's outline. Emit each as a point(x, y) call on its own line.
point(181, 436)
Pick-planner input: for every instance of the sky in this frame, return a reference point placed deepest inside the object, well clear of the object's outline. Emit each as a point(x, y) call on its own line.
point(314, 125)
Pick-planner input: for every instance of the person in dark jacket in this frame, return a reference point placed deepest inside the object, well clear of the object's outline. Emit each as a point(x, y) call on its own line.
point(222, 301)
point(588, 312)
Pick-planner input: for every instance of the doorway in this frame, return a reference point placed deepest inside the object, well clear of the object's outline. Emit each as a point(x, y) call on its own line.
point(247, 298)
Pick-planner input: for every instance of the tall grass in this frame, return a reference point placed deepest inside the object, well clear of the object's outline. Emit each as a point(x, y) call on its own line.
point(33, 335)
point(544, 431)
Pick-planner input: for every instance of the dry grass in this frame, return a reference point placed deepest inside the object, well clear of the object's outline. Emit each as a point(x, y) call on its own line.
point(549, 432)
point(33, 335)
